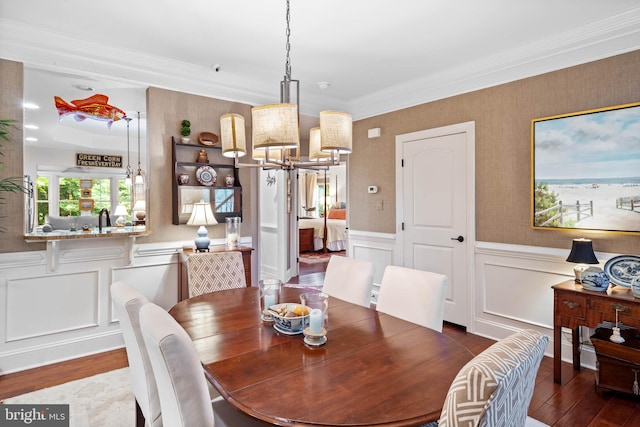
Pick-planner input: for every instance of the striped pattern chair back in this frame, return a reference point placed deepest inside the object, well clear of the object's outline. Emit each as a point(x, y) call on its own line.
point(215, 271)
point(495, 388)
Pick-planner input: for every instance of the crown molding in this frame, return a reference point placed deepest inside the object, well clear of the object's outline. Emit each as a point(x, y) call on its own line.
point(46, 50)
point(602, 39)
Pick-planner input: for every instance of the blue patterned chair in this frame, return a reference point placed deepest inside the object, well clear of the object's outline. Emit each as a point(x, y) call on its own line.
point(495, 388)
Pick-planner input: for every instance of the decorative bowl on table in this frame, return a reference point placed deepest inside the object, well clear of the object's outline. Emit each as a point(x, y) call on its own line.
point(594, 279)
point(288, 318)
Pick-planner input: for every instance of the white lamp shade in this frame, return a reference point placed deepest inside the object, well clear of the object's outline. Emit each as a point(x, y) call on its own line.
point(121, 210)
point(336, 131)
point(275, 125)
point(202, 215)
point(315, 153)
point(140, 205)
point(261, 154)
point(232, 135)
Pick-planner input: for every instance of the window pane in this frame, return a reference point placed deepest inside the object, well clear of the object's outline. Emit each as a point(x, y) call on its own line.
point(42, 198)
point(101, 194)
point(224, 200)
point(69, 194)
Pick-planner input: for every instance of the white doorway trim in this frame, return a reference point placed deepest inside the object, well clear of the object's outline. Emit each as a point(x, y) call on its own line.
point(469, 129)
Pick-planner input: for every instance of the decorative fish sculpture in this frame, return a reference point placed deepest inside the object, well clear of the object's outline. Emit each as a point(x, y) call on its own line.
point(95, 107)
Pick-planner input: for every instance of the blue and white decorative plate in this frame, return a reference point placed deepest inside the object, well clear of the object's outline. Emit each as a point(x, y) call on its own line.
point(622, 269)
point(206, 175)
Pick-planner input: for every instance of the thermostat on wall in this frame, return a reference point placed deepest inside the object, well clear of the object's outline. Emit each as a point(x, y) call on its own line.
point(372, 189)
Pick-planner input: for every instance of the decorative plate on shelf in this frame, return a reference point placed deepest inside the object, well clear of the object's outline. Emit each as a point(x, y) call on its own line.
point(622, 269)
point(206, 175)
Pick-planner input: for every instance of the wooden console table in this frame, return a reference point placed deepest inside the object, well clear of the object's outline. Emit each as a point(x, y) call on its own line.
point(574, 307)
point(183, 273)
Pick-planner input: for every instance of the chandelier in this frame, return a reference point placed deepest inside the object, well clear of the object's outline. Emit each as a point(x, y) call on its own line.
point(276, 132)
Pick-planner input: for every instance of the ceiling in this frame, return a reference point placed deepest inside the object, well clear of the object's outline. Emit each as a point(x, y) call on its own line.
point(377, 56)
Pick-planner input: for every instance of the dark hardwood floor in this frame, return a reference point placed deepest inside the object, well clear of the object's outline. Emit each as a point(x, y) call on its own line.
point(573, 403)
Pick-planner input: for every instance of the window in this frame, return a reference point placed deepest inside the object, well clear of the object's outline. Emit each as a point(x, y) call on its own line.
point(224, 200)
point(42, 198)
point(322, 198)
point(70, 196)
point(101, 195)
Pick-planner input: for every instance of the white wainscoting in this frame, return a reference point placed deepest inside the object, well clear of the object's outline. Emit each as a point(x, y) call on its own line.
point(49, 317)
point(511, 286)
point(379, 248)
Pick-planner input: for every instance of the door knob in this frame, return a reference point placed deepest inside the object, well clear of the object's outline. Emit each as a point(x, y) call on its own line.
point(459, 239)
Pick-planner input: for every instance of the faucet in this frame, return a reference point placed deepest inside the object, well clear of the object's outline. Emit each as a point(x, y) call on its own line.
point(106, 212)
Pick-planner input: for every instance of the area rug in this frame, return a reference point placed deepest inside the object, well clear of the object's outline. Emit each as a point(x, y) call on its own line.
point(318, 257)
point(103, 400)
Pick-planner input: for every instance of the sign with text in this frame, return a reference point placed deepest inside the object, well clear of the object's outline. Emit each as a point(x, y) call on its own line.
point(98, 160)
point(34, 415)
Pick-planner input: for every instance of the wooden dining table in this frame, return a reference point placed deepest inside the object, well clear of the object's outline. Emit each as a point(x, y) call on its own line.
point(374, 370)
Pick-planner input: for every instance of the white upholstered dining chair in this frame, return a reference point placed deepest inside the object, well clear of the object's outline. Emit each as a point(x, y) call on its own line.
point(495, 388)
point(215, 271)
point(414, 295)
point(127, 303)
point(182, 386)
point(349, 279)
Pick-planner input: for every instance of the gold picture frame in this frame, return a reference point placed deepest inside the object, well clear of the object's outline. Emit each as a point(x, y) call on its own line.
point(85, 194)
point(584, 170)
point(86, 184)
point(86, 204)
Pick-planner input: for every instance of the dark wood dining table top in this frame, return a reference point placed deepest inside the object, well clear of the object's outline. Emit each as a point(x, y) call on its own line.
point(374, 370)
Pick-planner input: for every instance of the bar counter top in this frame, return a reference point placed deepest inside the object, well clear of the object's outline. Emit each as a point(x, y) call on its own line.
point(107, 232)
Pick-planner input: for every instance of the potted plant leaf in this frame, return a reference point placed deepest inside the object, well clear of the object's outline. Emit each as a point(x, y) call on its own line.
point(185, 131)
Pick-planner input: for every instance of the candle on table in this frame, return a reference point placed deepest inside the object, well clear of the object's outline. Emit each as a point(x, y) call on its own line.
point(232, 239)
point(269, 300)
point(315, 321)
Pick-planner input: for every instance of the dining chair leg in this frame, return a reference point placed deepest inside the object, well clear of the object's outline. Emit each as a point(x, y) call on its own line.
point(139, 416)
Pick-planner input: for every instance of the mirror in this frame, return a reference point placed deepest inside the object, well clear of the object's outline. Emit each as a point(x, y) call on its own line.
point(78, 160)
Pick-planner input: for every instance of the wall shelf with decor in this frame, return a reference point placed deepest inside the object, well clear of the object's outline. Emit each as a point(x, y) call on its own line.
point(200, 172)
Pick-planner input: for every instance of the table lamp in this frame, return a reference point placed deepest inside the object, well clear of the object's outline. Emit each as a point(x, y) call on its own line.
point(121, 213)
point(202, 215)
point(581, 254)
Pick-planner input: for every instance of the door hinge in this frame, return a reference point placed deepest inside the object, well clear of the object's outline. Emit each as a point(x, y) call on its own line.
point(403, 226)
point(402, 163)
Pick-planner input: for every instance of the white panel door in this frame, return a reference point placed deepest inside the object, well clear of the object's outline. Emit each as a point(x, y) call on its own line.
point(435, 213)
point(276, 247)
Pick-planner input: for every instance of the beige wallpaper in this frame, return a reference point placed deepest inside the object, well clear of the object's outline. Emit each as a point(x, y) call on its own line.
point(503, 117)
point(165, 110)
point(12, 208)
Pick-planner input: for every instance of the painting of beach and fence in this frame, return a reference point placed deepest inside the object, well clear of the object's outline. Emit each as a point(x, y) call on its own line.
point(586, 170)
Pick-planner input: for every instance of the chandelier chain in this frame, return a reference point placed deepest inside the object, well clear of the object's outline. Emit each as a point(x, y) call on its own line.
point(287, 69)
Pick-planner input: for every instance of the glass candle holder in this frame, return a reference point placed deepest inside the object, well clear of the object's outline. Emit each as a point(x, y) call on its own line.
point(233, 232)
point(317, 303)
point(269, 295)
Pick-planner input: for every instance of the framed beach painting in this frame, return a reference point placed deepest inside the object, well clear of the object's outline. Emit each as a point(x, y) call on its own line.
point(586, 170)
